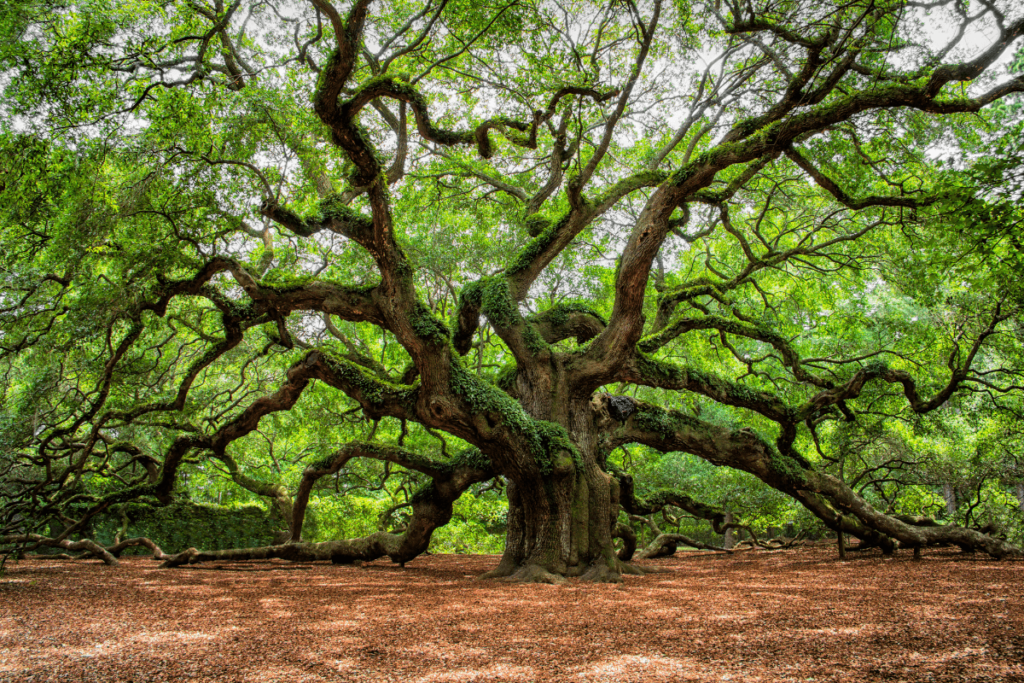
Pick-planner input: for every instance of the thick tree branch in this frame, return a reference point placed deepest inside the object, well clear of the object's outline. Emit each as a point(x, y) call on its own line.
point(847, 200)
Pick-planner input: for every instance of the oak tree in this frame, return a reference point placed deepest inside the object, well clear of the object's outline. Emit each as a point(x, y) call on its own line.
point(532, 232)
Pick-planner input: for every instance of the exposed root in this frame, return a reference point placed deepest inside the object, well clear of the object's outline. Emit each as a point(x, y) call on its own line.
point(599, 572)
point(505, 569)
point(533, 573)
point(632, 569)
point(602, 573)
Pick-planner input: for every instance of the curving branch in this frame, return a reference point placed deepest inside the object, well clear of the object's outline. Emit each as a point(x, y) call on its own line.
point(565, 321)
point(552, 237)
point(959, 374)
point(334, 216)
point(756, 137)
point(431, 508)
point(827, 497)
point(519, 133)
point(791, 359)
point(647, 371)
point(656, 501)
point(848, 200)
point(466, 468)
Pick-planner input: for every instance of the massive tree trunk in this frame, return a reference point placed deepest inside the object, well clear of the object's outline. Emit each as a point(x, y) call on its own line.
point(562, 513)
point(559, 526)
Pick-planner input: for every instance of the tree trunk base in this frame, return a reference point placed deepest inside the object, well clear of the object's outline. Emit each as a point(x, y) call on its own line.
point(599, 572)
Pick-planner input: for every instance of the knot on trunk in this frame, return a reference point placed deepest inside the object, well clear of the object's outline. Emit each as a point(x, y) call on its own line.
point(440, 409)
point(621, 407)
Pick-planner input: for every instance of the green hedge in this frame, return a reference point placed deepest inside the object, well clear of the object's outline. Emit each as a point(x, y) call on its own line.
point(185, 524)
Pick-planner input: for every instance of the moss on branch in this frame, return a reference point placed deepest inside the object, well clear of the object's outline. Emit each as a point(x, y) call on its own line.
point(547, 442)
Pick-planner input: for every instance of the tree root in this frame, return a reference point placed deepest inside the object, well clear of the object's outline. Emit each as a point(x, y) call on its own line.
point(505, 569)
point(533, 573)
point(599, 572)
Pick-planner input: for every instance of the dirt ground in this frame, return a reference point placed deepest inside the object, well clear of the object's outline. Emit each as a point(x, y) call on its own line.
point(794, 615)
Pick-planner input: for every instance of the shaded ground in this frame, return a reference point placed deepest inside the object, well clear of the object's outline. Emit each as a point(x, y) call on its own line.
point(796, 615)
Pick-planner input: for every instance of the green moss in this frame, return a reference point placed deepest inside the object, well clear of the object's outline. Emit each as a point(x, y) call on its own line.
point(497, 303)
point(668, 423)
point(471, 294)
point(534, 342)
point(663, 422)
point(557, 446)
point(482, 396)
point(373, 390)
point(507, 377)
point(323, 463)
point(786, 467)
point(548, 442)
point(657, 369)
point(642, 179)
point(876, 368)
point(471, 457)
point(698, 380)
point(535, 224)
point(559, 314)
point(332, 206)
point(325, 71)
point(427, 326)
point(494, 298)
point(283, 280)
point(536, 246)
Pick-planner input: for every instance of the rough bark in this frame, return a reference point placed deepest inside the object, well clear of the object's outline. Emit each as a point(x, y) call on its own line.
point(562, 513)
point(949, 495)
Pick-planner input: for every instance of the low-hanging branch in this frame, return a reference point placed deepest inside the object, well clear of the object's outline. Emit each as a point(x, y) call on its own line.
point(823, 494)
point(431, 507)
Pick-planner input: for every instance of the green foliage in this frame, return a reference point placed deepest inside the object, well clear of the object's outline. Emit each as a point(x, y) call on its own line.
point(477, 526)
point(337, 517)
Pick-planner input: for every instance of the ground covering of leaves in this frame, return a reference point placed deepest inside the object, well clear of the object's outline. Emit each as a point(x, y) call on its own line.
point(793, 615)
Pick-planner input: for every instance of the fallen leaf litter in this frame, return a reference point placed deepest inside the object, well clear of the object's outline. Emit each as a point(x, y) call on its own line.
point(795, 615)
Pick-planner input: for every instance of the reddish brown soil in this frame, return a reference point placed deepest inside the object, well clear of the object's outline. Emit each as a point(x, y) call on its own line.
point(796, 615)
